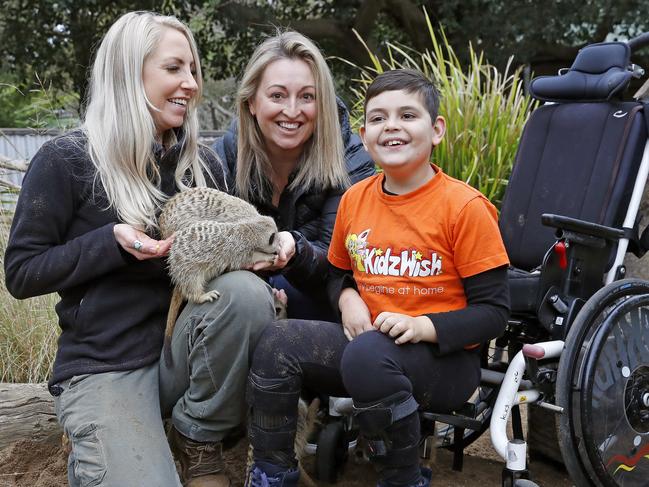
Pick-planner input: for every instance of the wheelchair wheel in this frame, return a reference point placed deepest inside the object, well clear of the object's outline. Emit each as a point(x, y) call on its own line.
point(603, 386)
point(331, 454)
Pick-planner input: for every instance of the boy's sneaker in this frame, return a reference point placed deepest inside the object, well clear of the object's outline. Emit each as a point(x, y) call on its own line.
point(426, 477)
point(263, 474)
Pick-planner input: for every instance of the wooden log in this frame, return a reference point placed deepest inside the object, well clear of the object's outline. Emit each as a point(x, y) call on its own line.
point(27, 413)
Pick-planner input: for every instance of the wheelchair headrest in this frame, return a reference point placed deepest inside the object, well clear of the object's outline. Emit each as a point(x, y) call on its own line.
point(599, 72)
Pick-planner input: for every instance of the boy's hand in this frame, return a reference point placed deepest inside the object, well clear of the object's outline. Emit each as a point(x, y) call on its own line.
point(406, 328)
point(355, 313)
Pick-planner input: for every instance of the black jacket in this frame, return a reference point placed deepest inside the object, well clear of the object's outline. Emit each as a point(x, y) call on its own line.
point(309, 214)
point(113, 307)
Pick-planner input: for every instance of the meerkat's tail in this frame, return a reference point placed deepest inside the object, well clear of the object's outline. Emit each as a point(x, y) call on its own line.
point(306, 422)
point(174, 307)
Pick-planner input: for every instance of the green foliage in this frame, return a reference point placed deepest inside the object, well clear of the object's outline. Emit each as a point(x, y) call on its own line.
point(485, 110)
point(39, 107)
point(28, 329)
point(56, 38)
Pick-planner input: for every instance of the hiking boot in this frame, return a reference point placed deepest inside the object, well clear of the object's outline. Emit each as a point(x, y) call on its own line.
point(264, 474)
point(201, 463)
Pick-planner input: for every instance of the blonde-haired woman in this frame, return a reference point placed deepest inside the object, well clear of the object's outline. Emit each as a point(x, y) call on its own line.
point(84, 227)
point(292, 154)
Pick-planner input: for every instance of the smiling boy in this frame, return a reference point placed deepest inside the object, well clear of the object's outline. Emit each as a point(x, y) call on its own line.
point(432, 278)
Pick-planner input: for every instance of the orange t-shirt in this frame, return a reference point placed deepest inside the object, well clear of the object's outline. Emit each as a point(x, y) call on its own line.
point(409, 253)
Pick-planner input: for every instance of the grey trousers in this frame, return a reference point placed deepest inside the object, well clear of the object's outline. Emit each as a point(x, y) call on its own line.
point(212, 345)
point(115, 430)
point(114, 419)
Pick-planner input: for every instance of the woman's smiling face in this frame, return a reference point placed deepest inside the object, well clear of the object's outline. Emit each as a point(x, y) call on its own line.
point(285, 106)
point(168, 77)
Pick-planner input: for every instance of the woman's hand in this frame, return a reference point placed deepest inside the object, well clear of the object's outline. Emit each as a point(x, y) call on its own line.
point(406, 328)
point(356, 316)
point(285, 252)
point(139, 244)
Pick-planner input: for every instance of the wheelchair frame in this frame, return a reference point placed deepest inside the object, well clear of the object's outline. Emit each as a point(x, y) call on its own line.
point(514, 452)
point(525, 362)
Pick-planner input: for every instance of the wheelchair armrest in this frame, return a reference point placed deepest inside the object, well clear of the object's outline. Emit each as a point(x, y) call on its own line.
point(581, 226)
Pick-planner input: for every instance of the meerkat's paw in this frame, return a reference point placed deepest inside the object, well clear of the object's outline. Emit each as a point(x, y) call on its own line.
point(208, 297)
point(280, 301)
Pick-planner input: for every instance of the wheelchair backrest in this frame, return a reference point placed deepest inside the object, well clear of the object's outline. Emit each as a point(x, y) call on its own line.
point(574, 159)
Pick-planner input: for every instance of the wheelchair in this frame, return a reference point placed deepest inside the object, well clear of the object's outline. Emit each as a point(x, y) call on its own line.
point(577, 342)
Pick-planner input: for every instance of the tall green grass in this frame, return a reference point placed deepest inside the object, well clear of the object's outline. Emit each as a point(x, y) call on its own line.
point(28, 328)
point(485, 109)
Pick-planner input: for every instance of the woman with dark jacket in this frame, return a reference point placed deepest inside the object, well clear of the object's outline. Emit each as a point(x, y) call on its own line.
point(292, 154)
point(85, 227)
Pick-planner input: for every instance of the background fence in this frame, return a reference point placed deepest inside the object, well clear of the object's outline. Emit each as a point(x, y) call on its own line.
point(18, 146)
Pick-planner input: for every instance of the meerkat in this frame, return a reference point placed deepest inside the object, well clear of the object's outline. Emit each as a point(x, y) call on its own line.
point(214, 233)
point(200, 204)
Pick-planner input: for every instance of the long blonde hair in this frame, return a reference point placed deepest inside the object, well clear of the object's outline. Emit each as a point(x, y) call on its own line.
point(119, 126)
point(323, 163)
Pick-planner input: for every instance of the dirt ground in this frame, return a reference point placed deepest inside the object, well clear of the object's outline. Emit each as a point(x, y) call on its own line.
point(41, 465)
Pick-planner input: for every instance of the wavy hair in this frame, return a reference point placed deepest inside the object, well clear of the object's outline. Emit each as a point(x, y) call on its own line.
point(322, 164)
point(119, 127)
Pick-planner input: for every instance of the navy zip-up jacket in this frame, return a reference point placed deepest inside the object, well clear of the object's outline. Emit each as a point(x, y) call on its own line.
point(309, 214)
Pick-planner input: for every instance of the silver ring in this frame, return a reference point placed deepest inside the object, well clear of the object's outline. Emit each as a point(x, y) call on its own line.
point(137, 245)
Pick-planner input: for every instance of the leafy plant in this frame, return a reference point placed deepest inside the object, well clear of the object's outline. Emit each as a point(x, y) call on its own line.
point(485, 109)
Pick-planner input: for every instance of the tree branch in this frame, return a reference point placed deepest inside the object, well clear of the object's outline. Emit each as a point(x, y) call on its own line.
point(246, 14)
point(335, 33)
point(13, 165)
point(11, 187)
point(411, 19)
point(366, 16)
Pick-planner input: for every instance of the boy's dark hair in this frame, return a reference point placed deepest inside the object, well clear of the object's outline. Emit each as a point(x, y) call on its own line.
point(410, 81)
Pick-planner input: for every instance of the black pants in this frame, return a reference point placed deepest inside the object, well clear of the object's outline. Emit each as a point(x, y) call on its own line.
point(296, 355)
point(303, 305)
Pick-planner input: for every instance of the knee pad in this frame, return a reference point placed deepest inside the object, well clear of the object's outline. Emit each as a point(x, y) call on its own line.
point(273, 411)
point(273, 396)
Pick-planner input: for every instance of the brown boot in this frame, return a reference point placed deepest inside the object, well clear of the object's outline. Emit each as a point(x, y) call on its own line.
point(201, 463)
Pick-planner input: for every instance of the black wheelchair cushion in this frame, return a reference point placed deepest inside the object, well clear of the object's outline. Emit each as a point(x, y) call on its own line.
point(599, 72)
point(576, 159)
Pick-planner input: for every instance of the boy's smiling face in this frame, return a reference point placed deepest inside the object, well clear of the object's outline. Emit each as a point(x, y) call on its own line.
point(399, 133)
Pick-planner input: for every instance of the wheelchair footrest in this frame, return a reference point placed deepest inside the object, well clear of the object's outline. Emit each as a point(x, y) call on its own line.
point(457, 420)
